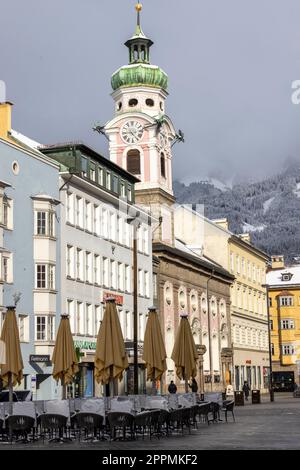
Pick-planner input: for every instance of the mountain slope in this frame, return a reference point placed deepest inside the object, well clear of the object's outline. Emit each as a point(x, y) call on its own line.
point(269, 209)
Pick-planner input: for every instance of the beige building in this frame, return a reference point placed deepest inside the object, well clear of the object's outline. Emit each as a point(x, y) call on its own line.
point(249, 324)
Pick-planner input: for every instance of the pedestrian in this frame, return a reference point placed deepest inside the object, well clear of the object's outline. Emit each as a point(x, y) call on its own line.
point(246, 389)
point(172, 387)
point(194, 386)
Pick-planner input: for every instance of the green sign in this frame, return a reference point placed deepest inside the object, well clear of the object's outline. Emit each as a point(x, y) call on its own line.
point(89, 345)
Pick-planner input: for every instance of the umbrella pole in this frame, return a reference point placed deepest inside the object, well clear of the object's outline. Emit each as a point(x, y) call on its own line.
point(63, 388)
point(153, 384)
point(10, 392)
point(186, 383)
point(111, 382)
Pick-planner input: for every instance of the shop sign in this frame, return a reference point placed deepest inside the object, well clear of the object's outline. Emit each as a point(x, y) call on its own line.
point(119, 298)
point(39, 358)
point(88, 345)
point(248, 361)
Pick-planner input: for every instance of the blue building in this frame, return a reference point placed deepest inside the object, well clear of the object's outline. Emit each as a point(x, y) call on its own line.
point(30, 251)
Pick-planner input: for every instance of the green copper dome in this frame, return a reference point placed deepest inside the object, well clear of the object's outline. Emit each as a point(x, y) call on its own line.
point(139, 72)
point(139, 75)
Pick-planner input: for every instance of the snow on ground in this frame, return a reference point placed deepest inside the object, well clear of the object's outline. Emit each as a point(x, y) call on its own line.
point(297, 190)
point(251, 228)
point(267, 204)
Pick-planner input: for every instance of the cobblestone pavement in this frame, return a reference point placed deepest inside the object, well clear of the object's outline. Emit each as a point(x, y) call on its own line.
point(265, 426)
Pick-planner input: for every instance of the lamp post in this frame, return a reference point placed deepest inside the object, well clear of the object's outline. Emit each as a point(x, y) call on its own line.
point(201, 349)
point(135, 304)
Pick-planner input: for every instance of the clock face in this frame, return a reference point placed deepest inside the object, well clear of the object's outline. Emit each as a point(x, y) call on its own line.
point(132, 132)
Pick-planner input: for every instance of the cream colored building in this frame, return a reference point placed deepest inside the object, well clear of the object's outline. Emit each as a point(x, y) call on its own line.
point(249, 324)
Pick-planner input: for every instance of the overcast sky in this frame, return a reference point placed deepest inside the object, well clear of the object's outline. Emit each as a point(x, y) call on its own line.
point(231, 64)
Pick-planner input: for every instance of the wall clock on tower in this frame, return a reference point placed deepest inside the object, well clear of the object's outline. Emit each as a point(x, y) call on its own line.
point(132, 132)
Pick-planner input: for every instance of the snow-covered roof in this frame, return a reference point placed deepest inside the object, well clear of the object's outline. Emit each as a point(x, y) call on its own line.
point(25, 140)
point(186, 249)
point(275, 277)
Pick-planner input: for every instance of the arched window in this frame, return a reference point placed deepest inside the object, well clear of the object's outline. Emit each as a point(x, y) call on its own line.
point(134, 162)
point(162, 165)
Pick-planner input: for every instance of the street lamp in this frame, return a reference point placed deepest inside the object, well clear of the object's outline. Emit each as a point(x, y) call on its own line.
point(135, 303)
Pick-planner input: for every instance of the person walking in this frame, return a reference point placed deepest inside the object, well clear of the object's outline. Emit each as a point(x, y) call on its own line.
point(194, 386)
point(246, 390)
point(172, 387)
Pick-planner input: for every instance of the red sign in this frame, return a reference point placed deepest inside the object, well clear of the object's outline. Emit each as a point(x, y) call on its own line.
point(248, 362)
point(118, 298)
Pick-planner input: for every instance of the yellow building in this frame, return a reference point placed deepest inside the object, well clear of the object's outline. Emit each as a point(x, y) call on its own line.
point(249, 319)
point(284, 304)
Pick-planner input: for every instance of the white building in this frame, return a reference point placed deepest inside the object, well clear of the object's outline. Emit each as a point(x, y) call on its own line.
point(97, 206)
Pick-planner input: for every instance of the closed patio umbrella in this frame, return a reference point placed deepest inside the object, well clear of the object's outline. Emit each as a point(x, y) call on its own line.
point(64, 359)
point(110, 358)
point(12, 369)
point(154, 353)
point(2, 353)
point(184, 352)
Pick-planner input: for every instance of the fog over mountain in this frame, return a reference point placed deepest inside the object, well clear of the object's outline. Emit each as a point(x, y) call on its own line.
point(269, 209)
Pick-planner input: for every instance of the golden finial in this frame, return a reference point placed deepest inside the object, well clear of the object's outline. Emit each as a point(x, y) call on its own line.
point(138, 7)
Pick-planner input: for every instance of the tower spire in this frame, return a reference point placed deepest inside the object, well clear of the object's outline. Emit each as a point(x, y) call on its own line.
point(138, 8)
point(139, 45)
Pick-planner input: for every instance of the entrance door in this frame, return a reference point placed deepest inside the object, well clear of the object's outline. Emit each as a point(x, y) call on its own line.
point(249, 375)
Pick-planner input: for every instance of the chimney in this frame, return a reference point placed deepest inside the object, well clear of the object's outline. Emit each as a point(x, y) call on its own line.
point(5, 119)
point(277, 262)
point(245, 237)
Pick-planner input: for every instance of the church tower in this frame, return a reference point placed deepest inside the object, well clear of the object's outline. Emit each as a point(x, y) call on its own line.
point(141, 134)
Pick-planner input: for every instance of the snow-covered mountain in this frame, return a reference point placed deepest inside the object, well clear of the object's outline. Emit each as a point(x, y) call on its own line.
point(268, 209)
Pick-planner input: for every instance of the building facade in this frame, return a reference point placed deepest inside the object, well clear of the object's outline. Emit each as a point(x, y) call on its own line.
point(141, 136)
point(97, 217)
point(284, 306)
point(249, 323)
point(30, 251)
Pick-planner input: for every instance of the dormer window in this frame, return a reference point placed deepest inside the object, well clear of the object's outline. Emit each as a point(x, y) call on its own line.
point(286, 277)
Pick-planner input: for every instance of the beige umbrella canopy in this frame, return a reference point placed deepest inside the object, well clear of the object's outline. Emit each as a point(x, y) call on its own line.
point(110, 358)
point(12, 369)
point(64, 359)
point(154, 349)
point(184, 352)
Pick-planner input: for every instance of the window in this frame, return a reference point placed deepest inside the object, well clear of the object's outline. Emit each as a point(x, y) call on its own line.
point(45, 223)
point(105, 276)
point(121, 230)
point(287, 324)
point(70, 208)
point(254, 272)
point(121, 276)
point(123, 189)
point(288, 349)
point(5, 268)
point(272, 349)
point(147, 285)
point(140, 327)
point(238, 269)
point(98, 318)
point(243, 267)
point(270, 301)
point(97, 275)
point(149, 102)
point(88, 267)
point(286, 301)
point(133, 102)
point(134, 162)
point(6, 265)
point(108, 180)
point(41, 223)
point(79, 265)
point(139, 236)
point(84, 166)
point(231, 262)
point(70, 261)
point(249, 270)
point(146, 241)
point(80, 319)
point(40, 328)
point(51, 328)
point(41, 279)
point(129, 192)
point(112, 224)
point(115, 184)
point(105, 230)
point(89, 329)
point(79, 211)
point(88, 216)
point(113, 275)
point(5, 211)
point(128, 278)
point(97, 227)
point(100, 176)
point(141, 284)
point(271, 325)
point(71, 313)
point(92, 171)
point(162, 165)
point(24, 328)
point(286, 277)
